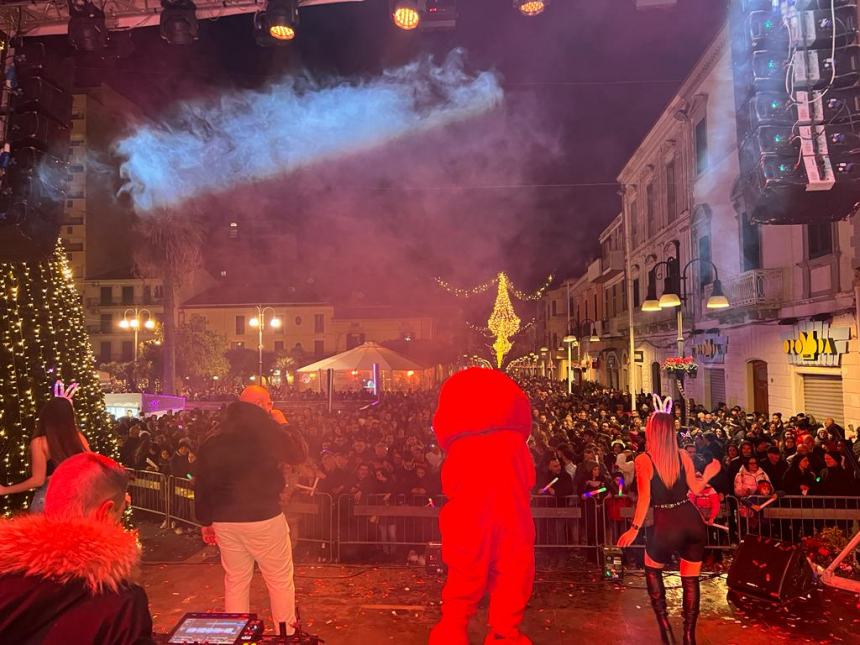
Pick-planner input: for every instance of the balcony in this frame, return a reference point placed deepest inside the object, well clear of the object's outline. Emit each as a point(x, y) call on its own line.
point(756, 288)
point(594, 271)
point(611, 266)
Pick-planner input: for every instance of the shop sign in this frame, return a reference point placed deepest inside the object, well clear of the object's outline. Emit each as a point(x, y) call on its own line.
point(710, 349)
point(816, 344)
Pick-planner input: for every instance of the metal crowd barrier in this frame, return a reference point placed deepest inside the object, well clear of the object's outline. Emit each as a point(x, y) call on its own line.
point(794, 517)
point(355, 527)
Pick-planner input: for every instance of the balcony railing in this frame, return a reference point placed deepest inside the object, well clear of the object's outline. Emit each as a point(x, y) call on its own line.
point(138, 301)
point(756, 288)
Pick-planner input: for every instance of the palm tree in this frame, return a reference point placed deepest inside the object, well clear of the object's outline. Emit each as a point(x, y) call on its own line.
point(170, 250)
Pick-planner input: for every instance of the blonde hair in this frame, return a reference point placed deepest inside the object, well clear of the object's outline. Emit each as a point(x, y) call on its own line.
point(663, 447)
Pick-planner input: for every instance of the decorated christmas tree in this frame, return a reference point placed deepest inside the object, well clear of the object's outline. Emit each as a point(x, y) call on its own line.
point(42, 340)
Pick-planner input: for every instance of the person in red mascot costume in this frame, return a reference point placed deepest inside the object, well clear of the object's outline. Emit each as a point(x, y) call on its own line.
point(482, 422)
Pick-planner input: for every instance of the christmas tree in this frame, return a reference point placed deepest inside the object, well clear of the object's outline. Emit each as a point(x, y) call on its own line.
point(42, 340)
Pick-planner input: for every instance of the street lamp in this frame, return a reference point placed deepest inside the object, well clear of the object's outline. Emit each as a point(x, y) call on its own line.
point(675, 290)
point(543, 353)
point(135, 322)
point(259, 322)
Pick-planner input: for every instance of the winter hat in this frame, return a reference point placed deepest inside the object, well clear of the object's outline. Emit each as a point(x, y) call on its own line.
point(480, 401)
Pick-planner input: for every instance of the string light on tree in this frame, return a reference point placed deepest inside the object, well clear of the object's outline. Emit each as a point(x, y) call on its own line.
point(42, 340)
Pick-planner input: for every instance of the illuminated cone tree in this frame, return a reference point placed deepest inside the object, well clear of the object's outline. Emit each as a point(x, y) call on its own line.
point(43, 339)
point(504, 321)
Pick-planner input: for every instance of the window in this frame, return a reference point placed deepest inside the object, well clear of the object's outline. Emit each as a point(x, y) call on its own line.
point(104, 352)
point(298, 321)
point(279, 346)
point(819, 240)
point(554, 308)
point(128, 295)
point(106, 295)
point(595, 307)
point(319, 347)
point(671, 194)
point(623, 288)
point(750, 244)
point(636, 302)
point(354, 340)
point(650, 211)
point(240, 325)
point(701, 146)
point(159, 292)
point(147, 295)
point(105, 324)
point(319, 323)
point(614, 300)
point(127, 351)
point(705, 269)
point(606, 302)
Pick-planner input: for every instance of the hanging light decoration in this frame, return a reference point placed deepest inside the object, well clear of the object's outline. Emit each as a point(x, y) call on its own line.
point(531, 7)
point(405, 14)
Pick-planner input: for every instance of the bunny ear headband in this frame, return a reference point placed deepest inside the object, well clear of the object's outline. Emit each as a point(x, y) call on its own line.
point(663, 406)
point(63, 392)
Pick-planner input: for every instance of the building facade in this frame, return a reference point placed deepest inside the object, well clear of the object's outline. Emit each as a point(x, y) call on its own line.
point(788, 341)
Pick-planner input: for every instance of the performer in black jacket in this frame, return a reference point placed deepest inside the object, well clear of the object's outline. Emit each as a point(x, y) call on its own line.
point(66, 576)
point(237, 494)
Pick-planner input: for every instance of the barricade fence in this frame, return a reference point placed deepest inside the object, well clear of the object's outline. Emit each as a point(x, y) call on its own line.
point(355, 526)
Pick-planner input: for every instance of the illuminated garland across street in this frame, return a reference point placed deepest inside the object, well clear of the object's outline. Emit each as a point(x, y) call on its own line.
point(504, 323)
point(43, 339)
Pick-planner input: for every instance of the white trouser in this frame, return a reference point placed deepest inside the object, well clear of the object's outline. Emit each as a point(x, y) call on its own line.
point(267, 543)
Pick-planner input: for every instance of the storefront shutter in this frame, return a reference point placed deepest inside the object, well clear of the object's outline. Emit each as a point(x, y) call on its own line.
point(822, 397)
point(717, 380)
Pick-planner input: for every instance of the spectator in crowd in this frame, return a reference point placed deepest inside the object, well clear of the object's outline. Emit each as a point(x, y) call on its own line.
point(79, 589)
point(835, 479)
point(749, 476)
point(129, 447)
point(799, 478)
point(775, 466)
point(180, 464)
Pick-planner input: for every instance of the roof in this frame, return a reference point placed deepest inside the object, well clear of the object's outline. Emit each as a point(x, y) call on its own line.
point(364, 357)
point(378, 312)
point(242, 295)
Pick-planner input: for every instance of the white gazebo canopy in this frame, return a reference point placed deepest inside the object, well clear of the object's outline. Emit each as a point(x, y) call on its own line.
point(363, 358)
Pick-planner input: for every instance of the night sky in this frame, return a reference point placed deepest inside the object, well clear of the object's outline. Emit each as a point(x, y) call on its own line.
point(508, 190)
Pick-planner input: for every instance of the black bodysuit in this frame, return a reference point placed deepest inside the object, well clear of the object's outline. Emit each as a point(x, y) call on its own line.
point(678, 525)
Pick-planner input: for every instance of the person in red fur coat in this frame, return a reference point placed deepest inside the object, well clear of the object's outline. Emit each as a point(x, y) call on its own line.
point(66, 575)
point(483, 420)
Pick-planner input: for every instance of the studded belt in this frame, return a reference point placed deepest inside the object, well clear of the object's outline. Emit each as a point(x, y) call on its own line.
point(673, 505)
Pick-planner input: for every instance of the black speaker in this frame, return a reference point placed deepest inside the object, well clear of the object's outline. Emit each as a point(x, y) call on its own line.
point(770, 570)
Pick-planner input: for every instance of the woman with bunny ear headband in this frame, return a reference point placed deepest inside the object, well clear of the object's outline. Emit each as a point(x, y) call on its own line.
point(664, 476)
point(56, 438)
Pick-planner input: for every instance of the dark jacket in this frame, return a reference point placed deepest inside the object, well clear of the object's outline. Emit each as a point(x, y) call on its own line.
point(836, 481)
point(776, 471)
point(239, 476)
point(794, 478)
point(70, 582)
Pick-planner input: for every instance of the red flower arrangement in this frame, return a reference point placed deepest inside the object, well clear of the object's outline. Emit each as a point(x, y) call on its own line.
point(680, 365)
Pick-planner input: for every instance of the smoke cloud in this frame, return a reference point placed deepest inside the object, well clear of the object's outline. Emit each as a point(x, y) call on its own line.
point(210, 146)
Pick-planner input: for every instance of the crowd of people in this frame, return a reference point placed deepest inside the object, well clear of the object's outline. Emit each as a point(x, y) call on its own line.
point(583, 444)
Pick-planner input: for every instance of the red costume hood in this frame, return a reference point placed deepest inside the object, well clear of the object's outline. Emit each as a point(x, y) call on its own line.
point(100, 554)
point(480, 401)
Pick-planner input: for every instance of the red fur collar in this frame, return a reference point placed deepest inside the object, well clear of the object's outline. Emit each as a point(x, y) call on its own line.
point(100, 554)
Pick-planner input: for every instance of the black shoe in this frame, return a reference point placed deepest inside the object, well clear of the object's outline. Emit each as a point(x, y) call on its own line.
point(691, 607)
point(657, 593)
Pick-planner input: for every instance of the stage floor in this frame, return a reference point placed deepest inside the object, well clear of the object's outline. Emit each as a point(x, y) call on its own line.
point(370, 605)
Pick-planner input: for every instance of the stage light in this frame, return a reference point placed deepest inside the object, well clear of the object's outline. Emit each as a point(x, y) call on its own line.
point(405, 14)
point(87, 30)
point(178, 21)
point(531, 7)
point(282, 17)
